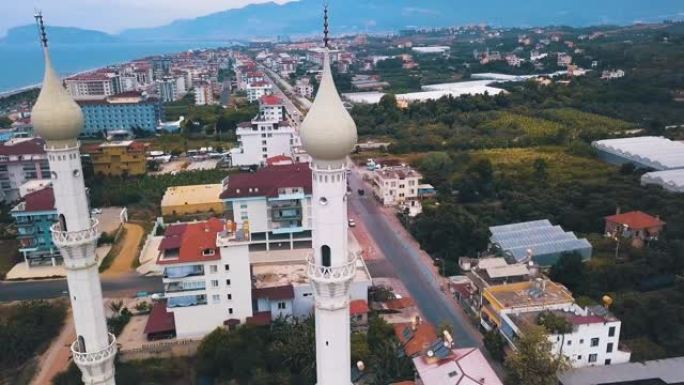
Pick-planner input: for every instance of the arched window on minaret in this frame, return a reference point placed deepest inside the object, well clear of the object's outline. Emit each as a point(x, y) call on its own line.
point(62, 222)
point(325, 255)
point(81, 344)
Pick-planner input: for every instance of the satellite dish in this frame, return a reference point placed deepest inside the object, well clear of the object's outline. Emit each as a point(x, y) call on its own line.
point(430, 353)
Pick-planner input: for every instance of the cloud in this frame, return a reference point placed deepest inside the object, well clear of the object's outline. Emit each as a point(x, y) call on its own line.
point(112, 15)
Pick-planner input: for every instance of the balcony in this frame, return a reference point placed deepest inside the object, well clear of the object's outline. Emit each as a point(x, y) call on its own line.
point(74, 238)
point(186, 301)
point(176, 287)
point(90, 359)
point(184, 271)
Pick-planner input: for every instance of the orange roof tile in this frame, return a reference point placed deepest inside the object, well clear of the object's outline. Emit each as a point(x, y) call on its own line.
point(358, 306)
point(636, 220)
point(192, 239)
point(420, 338)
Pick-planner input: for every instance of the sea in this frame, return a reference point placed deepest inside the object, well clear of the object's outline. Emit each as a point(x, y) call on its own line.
point(22, 65)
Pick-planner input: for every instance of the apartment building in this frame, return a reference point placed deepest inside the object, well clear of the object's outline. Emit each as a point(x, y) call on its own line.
point(118, 158)
point(204, 94)
point(33, 217)
point(398, 186)
point(267, 135)
point(97, 84)
point(276, 202)
point(21, 160)
point(256, 90)
point(126, 111)
point(304, 88)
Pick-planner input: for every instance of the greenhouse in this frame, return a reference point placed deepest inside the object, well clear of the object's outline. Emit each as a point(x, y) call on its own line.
point(653, 152)
point(670, 180)
point(540, 240)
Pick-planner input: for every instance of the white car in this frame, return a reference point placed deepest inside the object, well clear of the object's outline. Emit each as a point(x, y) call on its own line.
point(96, 211)
point(352, 223)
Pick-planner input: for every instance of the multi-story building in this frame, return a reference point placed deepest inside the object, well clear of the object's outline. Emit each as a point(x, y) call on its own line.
point(204, 94)
point(304, 88)
point(398, 186)
point(34, 216)
point(563, 59)
point(256, 90)
point(97, 84)
point(266, 136)
point(167, 90)
point(206, 275)
point(125, 111)
point(21, 160)
point(118, 158)
point(590, 337)
point(276, 202)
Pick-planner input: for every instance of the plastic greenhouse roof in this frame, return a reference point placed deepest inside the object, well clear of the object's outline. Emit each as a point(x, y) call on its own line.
point(652, 151)
point(672, 180)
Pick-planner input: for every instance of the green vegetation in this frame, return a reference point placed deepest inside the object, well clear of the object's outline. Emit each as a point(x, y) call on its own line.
point(26, 329)
point(153, 371)
point(5, 122)
point(495, 344)
point(554, 323)
point(117, 322)
point(533, 362)
point(113, 252)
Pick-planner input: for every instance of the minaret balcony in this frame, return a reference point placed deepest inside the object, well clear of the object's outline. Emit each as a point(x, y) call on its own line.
point(94, 358)
point(74, 238)
point(331, 284)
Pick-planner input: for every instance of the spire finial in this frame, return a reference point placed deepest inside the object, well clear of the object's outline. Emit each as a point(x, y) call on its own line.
point(325, 25)
point(41, 28)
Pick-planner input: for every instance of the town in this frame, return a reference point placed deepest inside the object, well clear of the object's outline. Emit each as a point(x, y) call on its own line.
point(512, 191)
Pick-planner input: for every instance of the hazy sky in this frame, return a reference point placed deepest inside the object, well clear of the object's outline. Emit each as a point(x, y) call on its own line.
point(111, 15)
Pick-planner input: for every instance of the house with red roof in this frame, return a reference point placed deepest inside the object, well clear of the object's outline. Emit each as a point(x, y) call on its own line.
point(21, 160)
point(276, 202)
point(34, 216)
point(638, 226)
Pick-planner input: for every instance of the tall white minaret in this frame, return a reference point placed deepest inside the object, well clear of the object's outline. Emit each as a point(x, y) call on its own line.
point(328, 134)
point(59, 120)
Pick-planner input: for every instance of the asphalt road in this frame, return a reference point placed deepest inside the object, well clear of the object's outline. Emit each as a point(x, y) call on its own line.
point(40, 289)
point(409, 266)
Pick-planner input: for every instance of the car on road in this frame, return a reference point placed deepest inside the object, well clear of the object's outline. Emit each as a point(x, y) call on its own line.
point(361, 191)
point(96, 211)
point(352, 223)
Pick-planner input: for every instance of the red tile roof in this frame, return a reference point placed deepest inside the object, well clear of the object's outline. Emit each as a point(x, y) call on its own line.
point(192, 239)
point(262, 318)
point(358, 306)
point(41, 200)
point(275, 160)
point(267, 181)
point(636, 220)
point(420, 339)
point(400, 303)
point(274, 293)
point(271, 100)
point(23, 147)
point(160, 320)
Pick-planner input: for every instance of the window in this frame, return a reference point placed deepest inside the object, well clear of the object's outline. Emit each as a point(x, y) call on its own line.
point(594, 342)
point(215, 298)
point(282, 305)
point(609, 348)
point(227, 282)
point(582, 341)
point(227, 267)
point(229, 297)
point(579, 357)
point(611, 331)
point(592, 357)
point(213, 268)
point(569, 342)
point(214, 283)
point(325, 255)
point(243, 205)
point(607, 362)
point(230, 310)
point(208, 252)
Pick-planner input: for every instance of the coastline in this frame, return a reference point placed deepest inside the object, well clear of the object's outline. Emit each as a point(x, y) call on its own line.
point(6, 94)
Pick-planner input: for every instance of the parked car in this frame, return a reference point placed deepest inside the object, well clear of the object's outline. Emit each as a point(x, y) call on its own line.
point(96, 211)
point(352, 223)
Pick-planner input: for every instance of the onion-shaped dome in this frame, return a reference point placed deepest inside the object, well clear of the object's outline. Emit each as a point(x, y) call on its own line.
point(328, 132)
point(55, 116)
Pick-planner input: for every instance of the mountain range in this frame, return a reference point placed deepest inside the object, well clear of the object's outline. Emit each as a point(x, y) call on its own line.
point(303, 17)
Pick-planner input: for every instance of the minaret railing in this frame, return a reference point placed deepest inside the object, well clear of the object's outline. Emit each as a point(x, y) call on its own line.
point(93, 358)
point(73, 238)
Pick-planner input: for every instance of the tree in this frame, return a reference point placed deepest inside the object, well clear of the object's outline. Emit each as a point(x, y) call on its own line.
point(495, 344)
point(388, 365)
point(360, 351)
point(540, 172)
point(5, 122)
point(569, 270)
point(534, 363)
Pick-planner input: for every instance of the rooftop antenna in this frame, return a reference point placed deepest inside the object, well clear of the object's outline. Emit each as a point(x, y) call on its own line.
point(41, 28)
point(326, 40)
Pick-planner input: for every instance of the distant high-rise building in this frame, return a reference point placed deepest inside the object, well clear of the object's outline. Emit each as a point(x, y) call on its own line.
point(167, 90)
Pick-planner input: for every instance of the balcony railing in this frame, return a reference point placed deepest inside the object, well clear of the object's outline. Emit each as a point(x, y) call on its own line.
point(184, 271)
point(94, 358)
point(74, 238)
point(186, 301)
point(177, 287)
point(331, 274)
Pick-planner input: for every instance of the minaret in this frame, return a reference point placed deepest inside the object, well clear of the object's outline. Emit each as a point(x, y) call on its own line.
point(328, 134)
point(58, 120)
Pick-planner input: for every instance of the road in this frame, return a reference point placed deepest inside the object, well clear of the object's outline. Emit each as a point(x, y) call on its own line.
point(122, 286)
point(408, 263)
point(278, 84)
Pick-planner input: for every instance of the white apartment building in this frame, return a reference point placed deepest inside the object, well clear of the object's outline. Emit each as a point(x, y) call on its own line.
point(206, 275)
point(514, 60)
point(256, 90)
point(167, 90)
point(21, 160)
point(276, 202)
point(304, 88)
point(594, 338)
point(204, 95)
point(398, 186)
point(612, 74)
point(267, 135)
point(92, 85)
point(564, 59)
